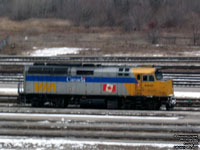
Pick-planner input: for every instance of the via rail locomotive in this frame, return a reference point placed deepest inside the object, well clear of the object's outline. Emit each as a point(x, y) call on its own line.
point(112, 87)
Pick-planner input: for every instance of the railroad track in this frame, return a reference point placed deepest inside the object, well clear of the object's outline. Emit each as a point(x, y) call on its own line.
point(98, 124)
point(184, 79)
point(158, 61)
point(11, 77)
point(94, 125)
point(8, 98)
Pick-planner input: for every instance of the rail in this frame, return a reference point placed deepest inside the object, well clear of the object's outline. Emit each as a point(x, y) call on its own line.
point(159, 61)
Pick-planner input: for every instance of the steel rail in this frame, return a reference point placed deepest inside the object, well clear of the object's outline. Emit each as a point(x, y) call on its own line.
point(122, 126)
point(108, 124)
point(161, 61)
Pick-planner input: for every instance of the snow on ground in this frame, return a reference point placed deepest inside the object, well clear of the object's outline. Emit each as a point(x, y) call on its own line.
point(63, 116)
point(61, 143)
point(153, 54)
point(10, 91)
point(187, 94)
point(134, 54)
point(192, 53)
point(157, 55)
point(56, 51)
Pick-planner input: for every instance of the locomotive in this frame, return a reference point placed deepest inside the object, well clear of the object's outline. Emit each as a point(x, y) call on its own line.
point(112, 87)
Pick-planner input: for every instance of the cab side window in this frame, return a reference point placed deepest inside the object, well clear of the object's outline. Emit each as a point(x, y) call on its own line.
point(151, 78)
point(145, 78)
point(138, 77)
point(148, 78)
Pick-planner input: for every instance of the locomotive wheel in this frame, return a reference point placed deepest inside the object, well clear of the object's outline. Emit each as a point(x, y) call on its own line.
point(158, 105)
point(34, 104)
point(37, 103)
point(153, 104)
point(112, 104)
point(168, 107)
point(65, 103)
point(59, 103)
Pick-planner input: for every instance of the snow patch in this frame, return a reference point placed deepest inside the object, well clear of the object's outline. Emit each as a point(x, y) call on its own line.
point(11, 91)
point(56, 51)
point(35, 48)
point(26, 38)
point(192, 53)
point(45, 122)
point(26, 142)
point(134, 54)
point(66, 116)
point(157, 55)
point(157, 45)
point(187, 94)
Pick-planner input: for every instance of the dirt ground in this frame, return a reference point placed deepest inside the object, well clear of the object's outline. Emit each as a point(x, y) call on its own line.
point(46, 33)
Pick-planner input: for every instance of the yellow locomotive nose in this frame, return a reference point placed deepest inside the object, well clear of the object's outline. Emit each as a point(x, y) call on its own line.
point(151, 84)
point(164, 88)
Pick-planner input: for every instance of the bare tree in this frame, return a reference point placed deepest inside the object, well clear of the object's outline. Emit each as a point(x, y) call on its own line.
point(154, 35)
point(196, 34)
point(195, 28)
point(139, 15)
point(127, 14)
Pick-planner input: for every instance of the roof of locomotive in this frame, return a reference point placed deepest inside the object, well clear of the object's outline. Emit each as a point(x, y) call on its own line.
point(144, 70)
point(135, 69)
point(86, 65)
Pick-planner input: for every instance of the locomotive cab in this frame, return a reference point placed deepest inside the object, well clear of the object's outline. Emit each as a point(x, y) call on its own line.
point(152, 84)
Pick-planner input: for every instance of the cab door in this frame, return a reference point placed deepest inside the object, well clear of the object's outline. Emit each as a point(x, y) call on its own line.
point(138, 87)
point(148, 85)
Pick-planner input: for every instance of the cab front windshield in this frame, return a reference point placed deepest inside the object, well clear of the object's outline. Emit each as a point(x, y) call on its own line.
point(159, 75)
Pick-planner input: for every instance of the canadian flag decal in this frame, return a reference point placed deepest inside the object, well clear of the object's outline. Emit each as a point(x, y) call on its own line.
point(109, 88)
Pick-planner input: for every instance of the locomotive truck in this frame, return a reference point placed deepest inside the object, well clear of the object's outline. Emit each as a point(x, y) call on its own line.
point(112, 87)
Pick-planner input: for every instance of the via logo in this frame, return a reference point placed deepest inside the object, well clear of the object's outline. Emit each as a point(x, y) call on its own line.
point(45, 86)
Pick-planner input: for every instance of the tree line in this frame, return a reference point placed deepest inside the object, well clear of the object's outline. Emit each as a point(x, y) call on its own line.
point(128, 14)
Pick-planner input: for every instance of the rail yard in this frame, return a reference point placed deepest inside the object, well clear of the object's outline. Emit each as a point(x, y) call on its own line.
point(99, 75)
point(76, 128)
